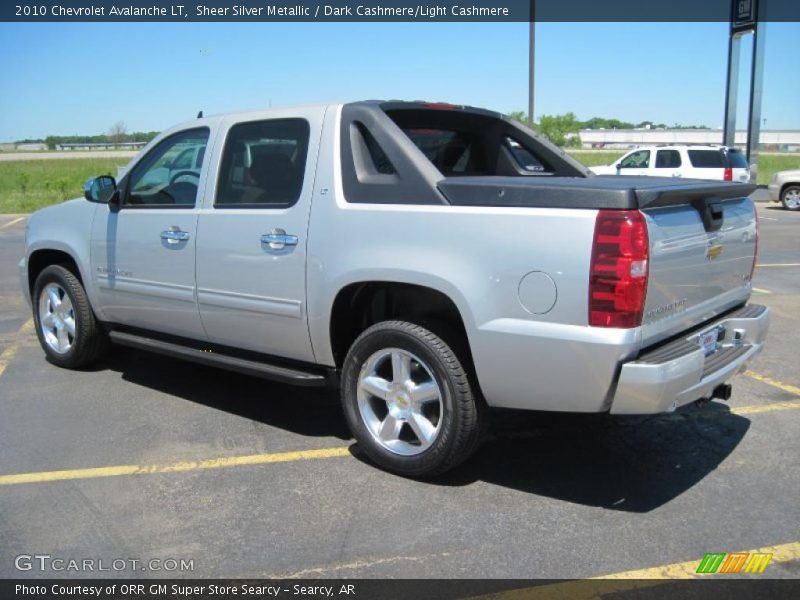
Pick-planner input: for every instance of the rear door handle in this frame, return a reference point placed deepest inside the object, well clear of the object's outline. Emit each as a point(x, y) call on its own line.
point(174, 235)
point(278, 239)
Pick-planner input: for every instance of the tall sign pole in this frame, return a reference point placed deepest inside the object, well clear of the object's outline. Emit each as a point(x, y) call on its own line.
point(531, 63)
point(747, 16)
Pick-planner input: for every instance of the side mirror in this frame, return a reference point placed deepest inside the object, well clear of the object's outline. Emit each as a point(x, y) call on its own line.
point(618, 166)
point(99, 189)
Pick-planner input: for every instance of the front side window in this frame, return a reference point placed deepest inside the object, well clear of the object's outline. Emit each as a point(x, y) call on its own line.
point(168, 176)
point(637, 160)
point(263, 164)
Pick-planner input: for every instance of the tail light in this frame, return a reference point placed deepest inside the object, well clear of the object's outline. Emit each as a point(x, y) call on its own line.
point(619, 269)
point(755, 250)
point(728, 176)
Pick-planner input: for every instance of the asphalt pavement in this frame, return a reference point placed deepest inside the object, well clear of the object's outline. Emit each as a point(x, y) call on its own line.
point(147, 457)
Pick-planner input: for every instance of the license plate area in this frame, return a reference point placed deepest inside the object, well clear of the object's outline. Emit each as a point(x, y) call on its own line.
point(709, 340)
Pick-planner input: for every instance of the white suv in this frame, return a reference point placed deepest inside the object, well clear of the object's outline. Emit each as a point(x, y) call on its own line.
point(694, 161)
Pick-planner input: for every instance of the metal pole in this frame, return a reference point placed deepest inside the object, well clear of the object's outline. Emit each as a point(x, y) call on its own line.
point(732, 89)
point(756, 87)
point(531, 64)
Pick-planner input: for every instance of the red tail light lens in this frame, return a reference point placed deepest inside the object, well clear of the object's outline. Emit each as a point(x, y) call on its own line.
point(728, 174)
point(619, 269)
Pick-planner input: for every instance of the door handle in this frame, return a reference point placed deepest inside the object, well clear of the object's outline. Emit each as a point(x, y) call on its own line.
point(174, 235)
point(278, 239)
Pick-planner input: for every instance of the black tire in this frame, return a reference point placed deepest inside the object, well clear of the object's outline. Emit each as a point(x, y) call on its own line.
point(90, 340)
point(792, 190)
point(463, 409)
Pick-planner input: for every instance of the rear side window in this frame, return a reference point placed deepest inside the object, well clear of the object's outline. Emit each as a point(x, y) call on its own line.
point(737, 160)
point(263, 164)
point(668, 159)
point(707, 159)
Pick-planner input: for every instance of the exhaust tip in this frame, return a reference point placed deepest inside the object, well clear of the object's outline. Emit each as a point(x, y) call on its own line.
point(723, 391)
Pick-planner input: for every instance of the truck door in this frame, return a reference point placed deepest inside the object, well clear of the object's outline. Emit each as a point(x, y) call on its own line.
point(143, 253)
point(251, 250)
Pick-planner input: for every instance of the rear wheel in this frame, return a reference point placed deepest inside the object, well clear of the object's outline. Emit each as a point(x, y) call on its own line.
point(409, 401)
point(790, 197)
point(65, 323)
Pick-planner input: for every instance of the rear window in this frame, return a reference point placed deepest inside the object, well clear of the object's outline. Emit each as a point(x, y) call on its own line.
point(737, 160)
point(453, 152)
point(460, 143)
point(707, 159)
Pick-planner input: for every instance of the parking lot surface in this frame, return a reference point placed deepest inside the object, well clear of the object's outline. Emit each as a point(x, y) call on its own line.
point(148, 457)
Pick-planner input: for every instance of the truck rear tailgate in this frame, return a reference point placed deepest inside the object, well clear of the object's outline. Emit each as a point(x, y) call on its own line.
point(701, 259)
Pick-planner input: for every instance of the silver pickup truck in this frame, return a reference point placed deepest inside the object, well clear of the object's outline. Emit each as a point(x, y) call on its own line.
point(429, 260)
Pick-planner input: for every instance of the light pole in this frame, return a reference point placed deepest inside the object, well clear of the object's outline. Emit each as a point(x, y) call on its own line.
point(531, 63)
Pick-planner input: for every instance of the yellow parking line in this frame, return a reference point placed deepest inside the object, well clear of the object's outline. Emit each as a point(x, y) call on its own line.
point(774, 383)
point(761, 290)
point(11, 351)
point(769, 265)
point(597, 587)
point(211, 463)
point(277, 457)
point(10, 223)
point(769, 407)
point(257, 459)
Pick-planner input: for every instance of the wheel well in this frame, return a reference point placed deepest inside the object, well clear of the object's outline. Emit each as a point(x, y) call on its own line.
point(786, 185)
point(361, 305)
point(41, 259)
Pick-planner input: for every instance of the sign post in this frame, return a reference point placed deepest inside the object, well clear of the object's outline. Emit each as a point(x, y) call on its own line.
point(747, 16)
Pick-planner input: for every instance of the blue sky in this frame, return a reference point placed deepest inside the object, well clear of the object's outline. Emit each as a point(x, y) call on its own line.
point(82, 78)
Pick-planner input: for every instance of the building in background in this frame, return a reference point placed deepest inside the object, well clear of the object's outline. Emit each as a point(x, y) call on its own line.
point(769, 140)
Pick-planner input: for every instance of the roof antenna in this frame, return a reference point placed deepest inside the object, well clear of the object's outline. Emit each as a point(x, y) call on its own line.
point(200, 115)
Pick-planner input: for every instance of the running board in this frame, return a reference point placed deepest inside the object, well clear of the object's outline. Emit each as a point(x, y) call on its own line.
point(214, 359)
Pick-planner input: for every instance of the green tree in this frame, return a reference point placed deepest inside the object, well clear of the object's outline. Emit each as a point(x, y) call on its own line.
point(519, 115)
point(560, 129)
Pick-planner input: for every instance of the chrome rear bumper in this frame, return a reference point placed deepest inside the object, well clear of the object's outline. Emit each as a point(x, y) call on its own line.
point(679, 372)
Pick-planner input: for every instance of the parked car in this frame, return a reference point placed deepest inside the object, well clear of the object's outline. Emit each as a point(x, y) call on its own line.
point(699, 162)
point(428, 260)
point(784, 187)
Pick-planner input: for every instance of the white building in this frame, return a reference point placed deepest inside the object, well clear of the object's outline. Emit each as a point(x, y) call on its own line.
point(770, 140)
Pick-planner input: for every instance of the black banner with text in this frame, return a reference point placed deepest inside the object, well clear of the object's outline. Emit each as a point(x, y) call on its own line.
point(387, 10)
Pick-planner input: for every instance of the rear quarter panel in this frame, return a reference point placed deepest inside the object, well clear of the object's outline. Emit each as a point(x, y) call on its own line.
point(477, 256)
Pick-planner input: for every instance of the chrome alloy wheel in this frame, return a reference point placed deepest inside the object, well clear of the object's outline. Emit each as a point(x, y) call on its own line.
point(56, 318)
point(792, 199)
point(400, 401)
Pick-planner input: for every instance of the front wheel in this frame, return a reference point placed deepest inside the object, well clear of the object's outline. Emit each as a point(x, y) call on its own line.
point(790, 197)
point(66, 326)
point(409, 401)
